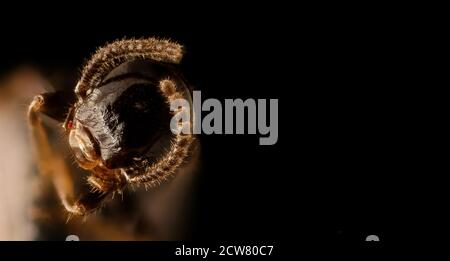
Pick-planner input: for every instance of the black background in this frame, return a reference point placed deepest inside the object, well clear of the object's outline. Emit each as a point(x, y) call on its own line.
point(344, 157)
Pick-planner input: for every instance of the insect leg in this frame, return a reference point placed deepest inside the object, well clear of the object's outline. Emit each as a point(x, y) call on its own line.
point(53, 166)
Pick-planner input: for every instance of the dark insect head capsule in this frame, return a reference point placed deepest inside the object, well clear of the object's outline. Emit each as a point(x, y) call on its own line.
point(123, 117)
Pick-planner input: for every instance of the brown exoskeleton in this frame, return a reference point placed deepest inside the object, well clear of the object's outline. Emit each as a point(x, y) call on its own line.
point(116, 122)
